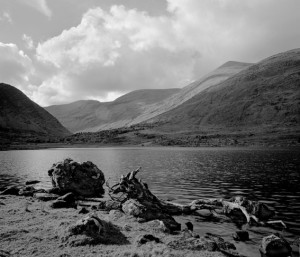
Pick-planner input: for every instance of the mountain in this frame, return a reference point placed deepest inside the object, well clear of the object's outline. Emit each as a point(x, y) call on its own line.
point(20, 115)
point(137, 106)
point(87, 115)
point(262, 97)
point(220, 74)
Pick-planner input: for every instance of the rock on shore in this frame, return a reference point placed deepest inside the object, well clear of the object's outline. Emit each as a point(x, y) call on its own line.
point(84, 179)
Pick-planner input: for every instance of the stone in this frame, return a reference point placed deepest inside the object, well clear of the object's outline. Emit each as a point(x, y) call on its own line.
point(62, 204)
point(189, 226)
point(23, 192)
point(84, 179)
point(91, 225)
point(144, 239)
point(221, 243)
point(109, 205)
point(45, 196)
point(27, 191)
point(69, 198)
point(194, 244)
point(147, 213)
point(55, 190)
point(115, 214)
point(241, 235)
point(134, 208)
point(12, 190)
point(83, 210)
point(31, 182)
point(158, 226)
point(275, 246)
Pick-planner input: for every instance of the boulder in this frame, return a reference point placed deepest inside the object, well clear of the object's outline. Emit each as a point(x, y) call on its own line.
point(84, 179)
point(45, 196)
point(12, 190)
point(92, 230)
point(147, 213)
point(275, 246)
point(241, 235)
point(91, 225)
point(158, 226)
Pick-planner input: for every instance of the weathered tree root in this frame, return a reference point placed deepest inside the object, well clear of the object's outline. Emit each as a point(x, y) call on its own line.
point(130, 188)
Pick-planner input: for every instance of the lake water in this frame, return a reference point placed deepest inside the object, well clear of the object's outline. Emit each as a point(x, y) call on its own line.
point(186, 174)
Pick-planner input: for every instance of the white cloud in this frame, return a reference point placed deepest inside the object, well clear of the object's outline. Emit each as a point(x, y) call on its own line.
point(5, 16)
point(15, 66)
point(116, 51)
point(40, 5)
point(28, 41)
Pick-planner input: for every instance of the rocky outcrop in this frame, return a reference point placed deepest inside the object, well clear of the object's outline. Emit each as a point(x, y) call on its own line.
point(84, 179)
point(275, 246)
point(93, 230)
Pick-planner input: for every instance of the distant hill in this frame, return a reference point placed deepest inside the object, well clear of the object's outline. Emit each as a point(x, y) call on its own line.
point(87, 115)
point(20, 115)
point(136, 106)
point(264, 96)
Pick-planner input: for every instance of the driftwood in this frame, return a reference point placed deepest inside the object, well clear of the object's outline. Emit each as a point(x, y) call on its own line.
point(131, 188)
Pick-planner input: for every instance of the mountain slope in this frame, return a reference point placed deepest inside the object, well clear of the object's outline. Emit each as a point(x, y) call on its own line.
point(21, 115)
point(265, 95)
point(136, 106)
point(93, 115)
point(220, 74)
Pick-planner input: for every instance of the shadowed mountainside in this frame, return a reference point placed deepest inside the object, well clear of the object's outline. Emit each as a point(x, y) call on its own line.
point(263, 96)
point(19, 115)
point(88, 115)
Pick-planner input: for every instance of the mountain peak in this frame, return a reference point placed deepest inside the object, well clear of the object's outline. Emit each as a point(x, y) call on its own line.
point(234, 64)
point(19, 113)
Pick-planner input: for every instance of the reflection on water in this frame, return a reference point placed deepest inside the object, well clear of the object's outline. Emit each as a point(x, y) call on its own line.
point(185, 174)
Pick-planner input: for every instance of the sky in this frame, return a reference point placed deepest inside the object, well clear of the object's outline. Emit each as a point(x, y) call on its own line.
point(60, 51)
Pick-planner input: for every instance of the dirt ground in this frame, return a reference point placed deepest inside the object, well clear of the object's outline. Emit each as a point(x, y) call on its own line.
point(29, 227)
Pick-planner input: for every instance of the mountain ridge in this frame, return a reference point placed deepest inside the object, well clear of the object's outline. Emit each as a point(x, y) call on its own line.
point(85, 114)
point(265, 94)
point(20, 115)
point(147, 104)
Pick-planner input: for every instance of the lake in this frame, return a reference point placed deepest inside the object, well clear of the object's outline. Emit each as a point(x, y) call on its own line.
point(185, 174)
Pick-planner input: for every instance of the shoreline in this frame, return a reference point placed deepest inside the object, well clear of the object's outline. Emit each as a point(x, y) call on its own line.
point(43, 146)
point(30, 227)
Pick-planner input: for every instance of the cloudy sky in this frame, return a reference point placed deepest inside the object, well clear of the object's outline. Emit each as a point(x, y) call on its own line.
point(59, 51)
